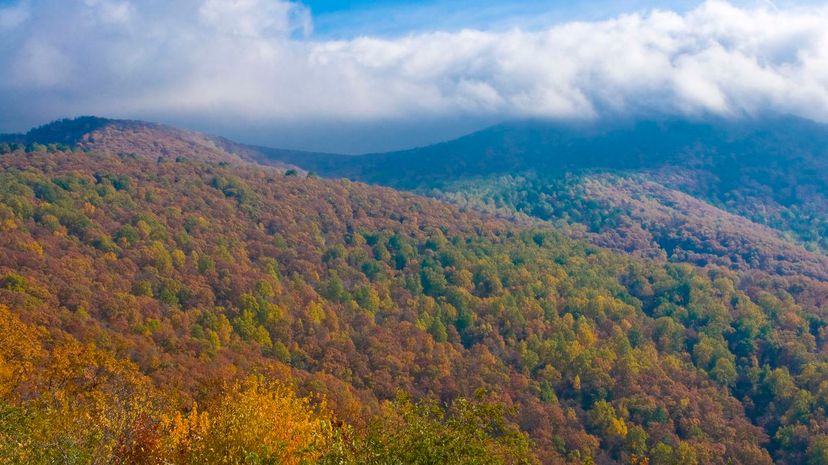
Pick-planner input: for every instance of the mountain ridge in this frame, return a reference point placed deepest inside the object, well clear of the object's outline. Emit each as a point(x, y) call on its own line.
point(530, 141)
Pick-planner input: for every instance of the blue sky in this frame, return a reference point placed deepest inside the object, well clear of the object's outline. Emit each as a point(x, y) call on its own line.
point(388, 18)
point(385, 74)
point(344, 19)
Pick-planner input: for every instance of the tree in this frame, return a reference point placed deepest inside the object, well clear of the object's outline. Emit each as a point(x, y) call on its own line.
point(255, 421)
point(467, 432)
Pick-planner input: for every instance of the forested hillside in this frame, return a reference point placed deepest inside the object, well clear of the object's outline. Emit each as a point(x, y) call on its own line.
point(165, 301)
point(739, 194)
point(637, 214)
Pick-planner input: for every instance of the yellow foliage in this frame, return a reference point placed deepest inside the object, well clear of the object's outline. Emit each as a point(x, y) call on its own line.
point(19, 352)
point(70, 398)
point(315, 312)
point(35, 248)
point(255, 421)
point(81, 399)
point(88, 208)
point(8, 224)
point(618, 427)
point(185, 434)
point(178, 258)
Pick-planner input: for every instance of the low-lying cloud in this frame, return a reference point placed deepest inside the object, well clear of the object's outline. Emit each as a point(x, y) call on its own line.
point(257, 61)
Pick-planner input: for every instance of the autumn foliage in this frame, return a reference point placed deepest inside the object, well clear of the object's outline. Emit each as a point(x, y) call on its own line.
point(173, 309)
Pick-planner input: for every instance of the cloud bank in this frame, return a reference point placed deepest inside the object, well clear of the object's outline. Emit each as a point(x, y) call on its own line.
point(257, 61)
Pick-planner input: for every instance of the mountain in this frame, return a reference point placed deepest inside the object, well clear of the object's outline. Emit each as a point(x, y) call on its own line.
point(742, 195)
point(732, 150)
point(139, 139)
point(165, 299)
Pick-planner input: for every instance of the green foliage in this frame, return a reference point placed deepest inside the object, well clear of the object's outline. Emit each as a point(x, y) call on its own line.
point(818, 451)
point(13, 282)
point(464, 433)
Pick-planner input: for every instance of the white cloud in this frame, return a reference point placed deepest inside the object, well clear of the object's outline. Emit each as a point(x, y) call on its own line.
point(255, 18)
point(256, 60)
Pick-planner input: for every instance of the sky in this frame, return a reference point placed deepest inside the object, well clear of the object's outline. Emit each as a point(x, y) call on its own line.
point(365, 75)
point(343, 19)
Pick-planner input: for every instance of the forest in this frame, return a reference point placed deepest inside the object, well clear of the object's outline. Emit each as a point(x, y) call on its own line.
point(166, 300)
point(771, 171)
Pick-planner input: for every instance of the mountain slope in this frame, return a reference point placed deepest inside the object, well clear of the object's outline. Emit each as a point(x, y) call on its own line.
point(635, 214)
point(770, 174)
point(200, 271)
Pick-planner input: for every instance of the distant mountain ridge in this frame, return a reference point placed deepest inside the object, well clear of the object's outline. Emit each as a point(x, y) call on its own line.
point(539, 146)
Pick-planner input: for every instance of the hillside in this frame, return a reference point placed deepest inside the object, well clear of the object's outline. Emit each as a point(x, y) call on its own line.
point(742, 195)
point(633, 213)
point(173, 270)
